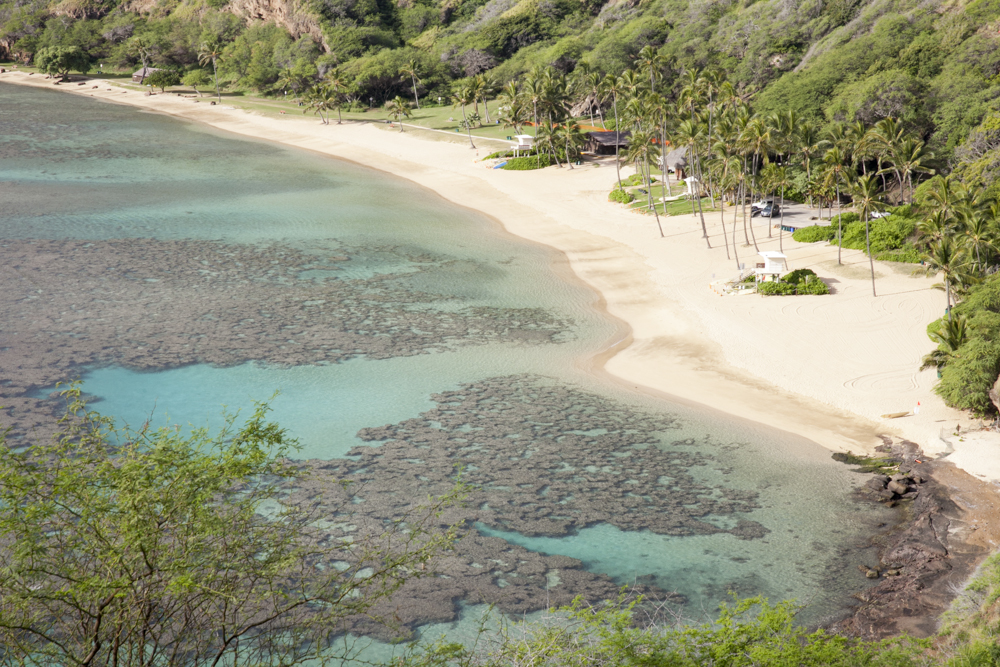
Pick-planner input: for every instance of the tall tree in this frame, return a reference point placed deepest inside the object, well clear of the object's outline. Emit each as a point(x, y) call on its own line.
point(835, 174)
point(398, 108)
point(411, 69)
point(463, 96)
point(210, 52)
point(867, 200)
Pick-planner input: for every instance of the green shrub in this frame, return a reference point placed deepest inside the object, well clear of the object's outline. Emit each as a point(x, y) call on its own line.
point(812, 285)
point(814, 234)
point(621, 196)
point(845, 218)
point(905, 211)
point(776, 289)
point(527, 163)
point(907, 255)
point(798, 275)
point(499, 154)
point(886, 233)
point(635, 179)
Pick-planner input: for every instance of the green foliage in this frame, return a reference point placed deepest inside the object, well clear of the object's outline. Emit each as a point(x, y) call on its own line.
point(127, 545)
point(197, 78)
point(621, 196)
point(59, 60)
point(747, 633)
point(527, 163)
point(798, 275)
point(974, 367)
point(163, 78)
point(814, 234)
point(905, 255)
point(813, 285)
point(775, 289)
point(635, 179)
point(887, 234)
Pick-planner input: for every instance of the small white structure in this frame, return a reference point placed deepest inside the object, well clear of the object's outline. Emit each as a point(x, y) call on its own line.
point(774, 265)
point(692, 186)
point(525, 142)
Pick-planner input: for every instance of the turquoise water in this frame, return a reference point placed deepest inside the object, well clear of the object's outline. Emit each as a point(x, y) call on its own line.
point(84, 175)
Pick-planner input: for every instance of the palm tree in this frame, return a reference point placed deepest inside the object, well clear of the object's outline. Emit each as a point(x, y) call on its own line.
point(909, 157)
point(571, 138)
point(690, 133)
point(211, 52)
point(486, 86)
point(410, 68)
point(809, 144)
point(641, 150)
point(947, 257)
point(320, 100)
point(950, 336)
point(834, 174)
point(778, 179)
point(398, 108)
point(649, 59)
point(463, 96)
point(288, 79)
point(614, 87)
point(549, 140)
point(866, 201)
point(979, 234)
point(338, 84)
point(533, 90)
point(595, 87)
point(947, 194)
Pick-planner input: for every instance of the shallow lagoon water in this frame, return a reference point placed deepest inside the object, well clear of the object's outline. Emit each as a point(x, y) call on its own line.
point(83, 170)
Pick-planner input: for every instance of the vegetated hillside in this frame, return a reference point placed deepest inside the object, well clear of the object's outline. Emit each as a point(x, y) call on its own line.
point(933, 64)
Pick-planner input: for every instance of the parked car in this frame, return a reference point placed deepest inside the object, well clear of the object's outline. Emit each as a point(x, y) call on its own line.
point(771, 210)
point(880, 214)
point(758, 206)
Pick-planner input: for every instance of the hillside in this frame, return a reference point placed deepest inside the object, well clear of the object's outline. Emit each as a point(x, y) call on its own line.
point(932, 64)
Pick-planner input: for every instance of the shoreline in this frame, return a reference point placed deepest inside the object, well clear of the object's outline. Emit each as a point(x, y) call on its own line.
point(673, 342)
point(681, 343)
point(618, 274)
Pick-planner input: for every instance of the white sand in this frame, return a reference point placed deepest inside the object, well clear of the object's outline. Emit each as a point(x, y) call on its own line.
point(825, 367)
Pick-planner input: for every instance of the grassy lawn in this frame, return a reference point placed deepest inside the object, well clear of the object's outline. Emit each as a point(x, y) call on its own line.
point(679, 207)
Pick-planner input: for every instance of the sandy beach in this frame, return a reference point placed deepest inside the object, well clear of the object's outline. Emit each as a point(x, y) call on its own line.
point(824, 367)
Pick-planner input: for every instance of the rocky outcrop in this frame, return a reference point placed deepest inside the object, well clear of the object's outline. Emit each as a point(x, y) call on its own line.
point(289, 14)
point(921, 562)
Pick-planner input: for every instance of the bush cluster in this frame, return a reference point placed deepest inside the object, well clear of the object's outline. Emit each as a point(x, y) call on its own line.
point(799, 281)
point(814, 234)
point(528, 163)
point(973, 368)
point(621, 196)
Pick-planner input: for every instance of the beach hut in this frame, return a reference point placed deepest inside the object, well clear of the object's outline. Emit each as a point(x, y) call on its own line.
point(605, 143)
point(774, 264)
point(525, 142)
point(676, 161)
point(140, 75)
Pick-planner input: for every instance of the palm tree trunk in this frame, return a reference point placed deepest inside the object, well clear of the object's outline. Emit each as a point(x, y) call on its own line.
point(704, 230)
point(947, 295)
point(840, 226)
point(735, 213)
point(467, 127)
point(340, 118)
point(568, 161)
point(725, 237)
point(415, 97)
point(215, 73)
point(617, 135)
point(486, 108)
point(781, 218)
point(743, 204)
point(649, 183)
point(871, 260)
